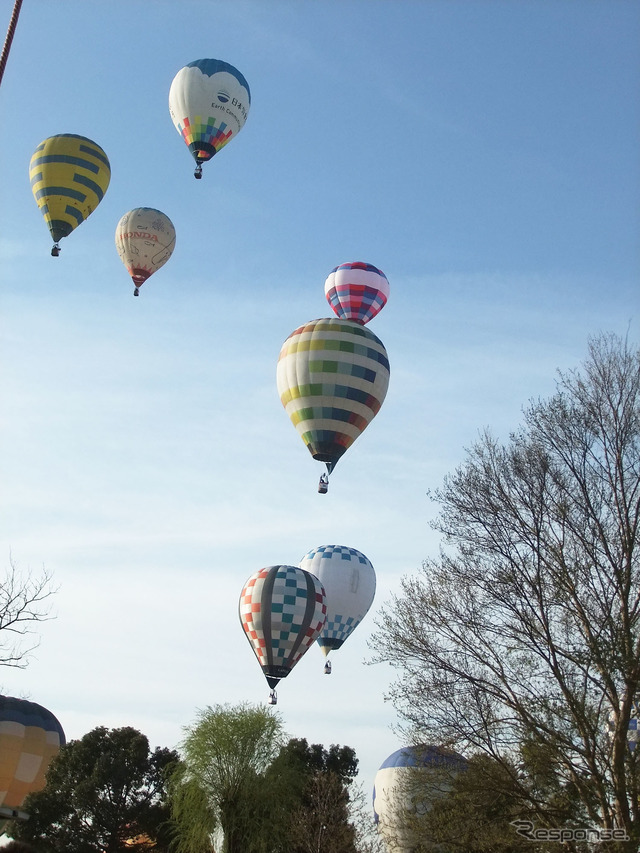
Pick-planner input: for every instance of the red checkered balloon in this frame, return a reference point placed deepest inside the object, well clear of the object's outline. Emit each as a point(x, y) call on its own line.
point(282, 611)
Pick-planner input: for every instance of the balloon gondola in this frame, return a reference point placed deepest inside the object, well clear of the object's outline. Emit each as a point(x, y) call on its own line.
point(209, 102)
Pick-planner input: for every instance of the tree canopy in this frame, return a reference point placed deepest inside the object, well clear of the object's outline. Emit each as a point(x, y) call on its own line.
point(521, 640)
point(105, 793)
point(246, 787)
point(220, 787)
point(320, 820)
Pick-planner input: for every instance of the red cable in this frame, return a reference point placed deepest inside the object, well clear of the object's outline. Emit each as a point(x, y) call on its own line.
point(10, 31)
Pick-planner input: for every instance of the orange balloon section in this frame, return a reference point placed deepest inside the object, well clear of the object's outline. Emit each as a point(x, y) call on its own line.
point(30, 736)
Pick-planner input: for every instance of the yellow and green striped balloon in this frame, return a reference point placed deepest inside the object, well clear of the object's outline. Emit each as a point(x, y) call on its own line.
point(332, 378)
point(69, 176)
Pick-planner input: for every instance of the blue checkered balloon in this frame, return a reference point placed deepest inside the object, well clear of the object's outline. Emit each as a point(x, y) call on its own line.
point(349, 581)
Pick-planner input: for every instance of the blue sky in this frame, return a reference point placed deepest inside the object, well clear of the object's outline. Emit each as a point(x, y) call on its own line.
point(484, 155)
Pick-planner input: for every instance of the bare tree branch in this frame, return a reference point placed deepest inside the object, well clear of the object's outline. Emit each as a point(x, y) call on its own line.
point(526, 628)
point(24, 602)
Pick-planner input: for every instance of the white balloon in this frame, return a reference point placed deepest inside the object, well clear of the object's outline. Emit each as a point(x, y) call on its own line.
point(349, 581)
point(209, 103)
point(145, 239)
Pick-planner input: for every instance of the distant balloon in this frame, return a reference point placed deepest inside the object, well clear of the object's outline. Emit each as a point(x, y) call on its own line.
point(633, 732)
point(407, 783)
point(69, 176)
point(356, 291)
point(349, 582)
point(30, 736)
point(282, 611)
point(332, 379)
point(145, 239)
point(209, 102)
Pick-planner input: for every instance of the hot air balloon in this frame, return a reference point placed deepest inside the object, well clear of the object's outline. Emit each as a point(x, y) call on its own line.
point(332, 378)
point(406, 784)
point(282, 611)
point(349, 582)
point(145, 238)
point(356, 291)
point(209, 102)
point(30, 736)
point(633, 732)
point(69, 176)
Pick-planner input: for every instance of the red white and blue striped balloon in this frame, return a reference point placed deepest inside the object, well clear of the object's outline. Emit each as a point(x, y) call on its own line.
point(356, 291)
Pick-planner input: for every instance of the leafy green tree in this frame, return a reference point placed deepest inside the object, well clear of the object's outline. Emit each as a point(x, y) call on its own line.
point(105, 793)
point(321, 821)
point(313, 758)
point(521, 641)
point(486, 803)
point(220, 789)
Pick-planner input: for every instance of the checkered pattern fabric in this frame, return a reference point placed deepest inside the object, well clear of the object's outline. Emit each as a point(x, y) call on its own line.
point(282, 611)
point(633, 732)
point(332, 378)
point(356, 291)
point(349, 581)
point(30, 736)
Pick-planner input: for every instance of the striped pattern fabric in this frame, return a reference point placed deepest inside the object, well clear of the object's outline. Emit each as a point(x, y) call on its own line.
point(332, 378)
point(69, 176)
point(282, 611)
point(349, 581)
point(356, 291)
point(30, 736)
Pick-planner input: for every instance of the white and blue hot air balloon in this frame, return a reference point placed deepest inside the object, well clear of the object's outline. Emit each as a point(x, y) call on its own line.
point(406, 785)
point(349, 581)
point(209, 103)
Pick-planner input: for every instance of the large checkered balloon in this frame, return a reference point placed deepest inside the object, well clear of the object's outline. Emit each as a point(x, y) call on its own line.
point(332, 378)
point(282, 611)
point(356, 291)
point(30, 736)
point(349, 581)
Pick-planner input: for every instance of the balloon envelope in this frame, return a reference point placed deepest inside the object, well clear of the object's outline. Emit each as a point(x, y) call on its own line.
point(407, 783)
point(145, 238)
point(332, 378)
point(633, 732)
point(30, 736)
point(282, 611)
point(69, 176)
point(209, 102)
point(349, 582)
point(356, 291)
